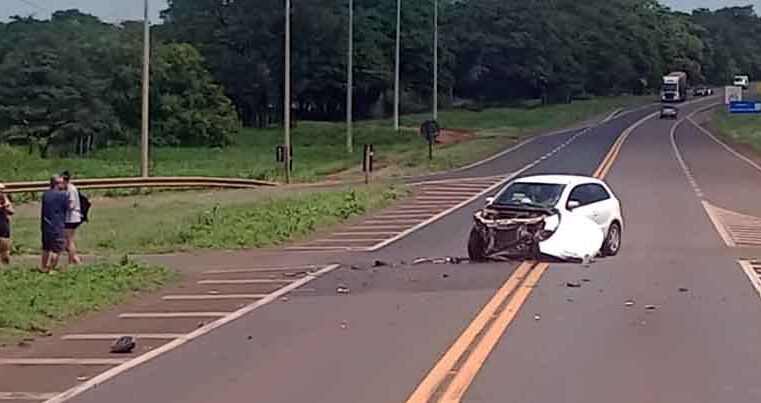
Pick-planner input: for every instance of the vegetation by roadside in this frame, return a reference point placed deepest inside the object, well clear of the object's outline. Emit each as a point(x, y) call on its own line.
point(31, 303)
point(743, 129)
point(320, 148)
point(220, 220)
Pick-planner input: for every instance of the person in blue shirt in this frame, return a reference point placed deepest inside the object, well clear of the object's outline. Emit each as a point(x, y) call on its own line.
point(55, 206)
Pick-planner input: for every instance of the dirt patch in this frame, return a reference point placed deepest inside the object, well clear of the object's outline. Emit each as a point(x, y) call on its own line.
point(454, 136)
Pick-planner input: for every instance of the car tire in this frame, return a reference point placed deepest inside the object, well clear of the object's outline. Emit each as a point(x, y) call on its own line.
point(612, 244)
point(476, 246)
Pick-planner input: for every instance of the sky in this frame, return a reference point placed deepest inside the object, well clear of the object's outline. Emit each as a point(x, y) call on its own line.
point(119, 10)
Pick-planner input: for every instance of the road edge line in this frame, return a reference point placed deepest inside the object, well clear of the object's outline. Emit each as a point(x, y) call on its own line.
point(454, 353)
point(723, 144)
point(752, 276)
point(113, 372)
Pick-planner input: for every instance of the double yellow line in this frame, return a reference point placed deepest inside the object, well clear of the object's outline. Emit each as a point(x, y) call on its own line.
point(450, 378)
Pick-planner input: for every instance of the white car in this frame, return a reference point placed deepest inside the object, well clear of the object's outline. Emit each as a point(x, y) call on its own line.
point(561, 216)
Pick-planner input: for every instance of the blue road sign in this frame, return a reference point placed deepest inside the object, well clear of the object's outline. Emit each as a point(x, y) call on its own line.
point(745, 107)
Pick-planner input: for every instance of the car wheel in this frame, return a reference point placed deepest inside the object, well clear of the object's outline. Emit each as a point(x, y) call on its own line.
point(612, 243)
point(476, 246)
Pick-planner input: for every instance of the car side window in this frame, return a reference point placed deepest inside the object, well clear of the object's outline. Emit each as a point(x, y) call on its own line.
point(588, 194)
point(598, 193)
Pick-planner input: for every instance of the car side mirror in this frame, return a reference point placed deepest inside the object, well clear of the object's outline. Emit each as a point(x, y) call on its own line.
point(489, 200)
point(572, 204)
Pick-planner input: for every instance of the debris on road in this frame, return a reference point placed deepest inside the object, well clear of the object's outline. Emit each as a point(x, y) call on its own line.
point(123, 345)
point(445, 275)
point(201, 324)
point(284, 299)
point(213, 292)
point(683, 289)
point(586, 280)
point(629, 303)
point(342, 289)
point(379, 263)
point(572, 285)
point(356, 268)
point(569, 299)
point(440, 260)
point(344, 324)
point(537, 317)
point(82, 378)
point(250, 338)
point(650, 307)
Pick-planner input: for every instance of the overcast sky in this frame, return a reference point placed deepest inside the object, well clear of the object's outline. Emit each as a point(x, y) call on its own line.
point(118, 10)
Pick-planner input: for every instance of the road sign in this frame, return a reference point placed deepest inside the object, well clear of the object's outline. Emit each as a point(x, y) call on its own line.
point(745, 107)
point(430, 129)
point(732, 94)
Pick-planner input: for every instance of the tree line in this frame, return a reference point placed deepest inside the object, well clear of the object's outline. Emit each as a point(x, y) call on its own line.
point(218, 64)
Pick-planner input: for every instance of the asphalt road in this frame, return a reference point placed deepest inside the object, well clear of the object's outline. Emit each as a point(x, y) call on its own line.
point(701, 344)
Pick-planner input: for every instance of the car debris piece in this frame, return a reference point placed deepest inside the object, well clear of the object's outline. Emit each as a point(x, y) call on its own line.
point(683, 289)
point(284, 299)
point(537, 317)
point(344, 324)
point(82, 378)
point(586, 280)
point(123, 345)
point(250, 338)
point(629, 303)
point(213, 292)
point(379, 263)
point(445, 275)
point(342, 289)
point(650, 307)
point(572, 285)
point(356, 268)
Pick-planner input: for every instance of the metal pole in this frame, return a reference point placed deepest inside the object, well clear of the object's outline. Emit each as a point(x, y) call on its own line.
point(350, 81)
point(287, 92)
point(396, 63)
point(146, 82)
point(435, 59)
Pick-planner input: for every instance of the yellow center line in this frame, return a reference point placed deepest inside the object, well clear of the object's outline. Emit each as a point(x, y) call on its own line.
point(431, 382)
point(457, 387)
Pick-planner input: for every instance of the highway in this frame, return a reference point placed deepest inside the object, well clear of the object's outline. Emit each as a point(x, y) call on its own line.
point(673, 318)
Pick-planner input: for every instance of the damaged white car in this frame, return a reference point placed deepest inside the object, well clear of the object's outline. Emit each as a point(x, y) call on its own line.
point(571, 218)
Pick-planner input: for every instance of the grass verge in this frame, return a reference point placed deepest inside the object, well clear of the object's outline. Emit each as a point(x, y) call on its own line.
point(320, 148)
point(219, 220)
point(31, 302)
point(742, 129)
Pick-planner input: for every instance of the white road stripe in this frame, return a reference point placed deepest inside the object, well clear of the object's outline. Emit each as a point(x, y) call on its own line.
point(25, 396)
point(245, 281)
point(752, 275)
point(211, 297)
point(62, 361)
point(261, 269)
point(410, 216)
point(345, 240)
point(364, 233)
point(171, 315)
point(380, 226)
point(105, 376)
point(114, 336)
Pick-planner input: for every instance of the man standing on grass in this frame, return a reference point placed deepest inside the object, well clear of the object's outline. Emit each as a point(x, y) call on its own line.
point(53, 220)
point(73, 218)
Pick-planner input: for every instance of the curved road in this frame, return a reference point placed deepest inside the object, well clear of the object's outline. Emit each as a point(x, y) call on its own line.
point(701, 343)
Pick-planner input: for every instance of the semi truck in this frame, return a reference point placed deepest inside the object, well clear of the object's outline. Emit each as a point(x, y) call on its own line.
point(674, 87)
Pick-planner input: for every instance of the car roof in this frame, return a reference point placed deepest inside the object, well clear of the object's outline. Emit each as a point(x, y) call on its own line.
point(558, 179)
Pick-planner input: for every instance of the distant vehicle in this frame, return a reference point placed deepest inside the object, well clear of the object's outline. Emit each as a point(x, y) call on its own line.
point(571, 218)
point(742, 81)
point(669, 112)
point(702, 92)
point(674, 87)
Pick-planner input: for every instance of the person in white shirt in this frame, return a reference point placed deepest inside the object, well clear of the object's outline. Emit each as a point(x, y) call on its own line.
point(73, 218)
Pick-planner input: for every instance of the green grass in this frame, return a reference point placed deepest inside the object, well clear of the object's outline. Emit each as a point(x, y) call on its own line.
point(31, 302)
point(320, 148)
point(745, 129)
point(220, 220)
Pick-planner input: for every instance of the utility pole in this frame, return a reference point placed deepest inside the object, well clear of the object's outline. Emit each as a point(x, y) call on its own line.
point(350, 81)
point(435, 59)
point(146, 82)
point(396, 63)
point(287, 92)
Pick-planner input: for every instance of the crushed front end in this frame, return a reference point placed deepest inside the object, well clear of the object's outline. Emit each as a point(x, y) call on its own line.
point(512, 232)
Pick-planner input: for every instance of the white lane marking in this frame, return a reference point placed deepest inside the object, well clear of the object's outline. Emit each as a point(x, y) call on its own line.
point(420, 208)
point(723, 233)
point(25, 396)
point(440, 198)
point(261, 269)
point(723, 144)
point(211, 297)
point(379, 226)
point(114, 336)
point(62, 361)
point(752, 275)
point(381, 233)
point(448, 193)
point(463, 181)
point(245, 281)
point(171, 315)
point(347, 240)
point(105, 376)
point(410, 216)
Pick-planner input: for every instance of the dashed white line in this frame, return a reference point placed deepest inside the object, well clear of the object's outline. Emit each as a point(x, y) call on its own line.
point(62, 361)
point(25, 396)
point(211, 297)
point(114, 336)
point(245, 281)
point(260, 270)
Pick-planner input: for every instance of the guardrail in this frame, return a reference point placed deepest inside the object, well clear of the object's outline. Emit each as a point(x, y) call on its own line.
point(152, 182)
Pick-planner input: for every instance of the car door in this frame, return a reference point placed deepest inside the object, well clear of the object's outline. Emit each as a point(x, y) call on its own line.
point(593, 202)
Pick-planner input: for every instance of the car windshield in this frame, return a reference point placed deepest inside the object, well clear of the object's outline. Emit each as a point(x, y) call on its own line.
point(669, 87)
point(540, 195)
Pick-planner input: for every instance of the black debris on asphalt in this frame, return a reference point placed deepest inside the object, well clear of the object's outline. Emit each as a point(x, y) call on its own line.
point(650, 307)
point(123, 345)
point(683, 289)
point(572, 285)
